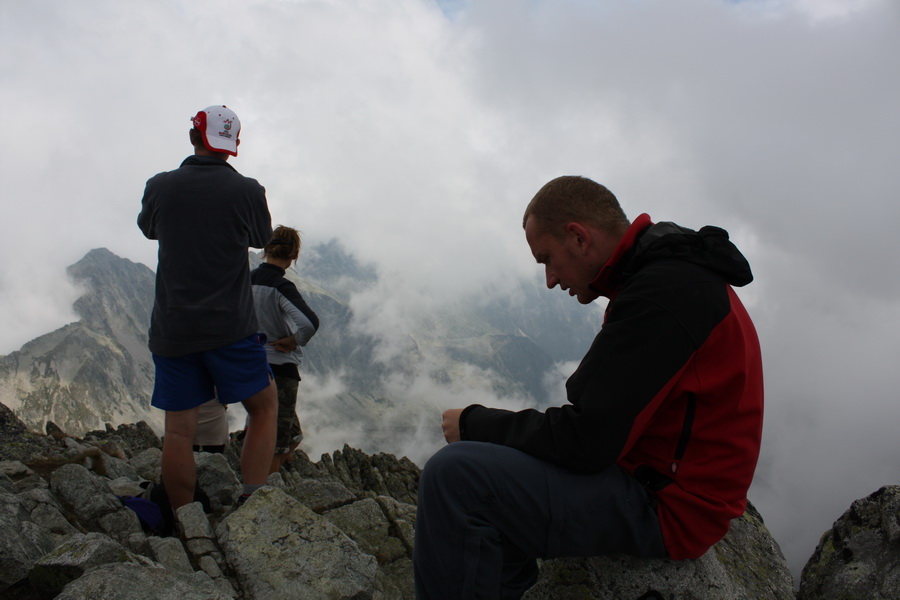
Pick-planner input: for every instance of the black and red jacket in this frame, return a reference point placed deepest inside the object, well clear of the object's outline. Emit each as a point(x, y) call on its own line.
point(671, 388)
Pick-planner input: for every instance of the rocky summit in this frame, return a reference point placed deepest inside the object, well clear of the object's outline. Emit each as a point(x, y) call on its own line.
point(859, 557)
point(74, 526)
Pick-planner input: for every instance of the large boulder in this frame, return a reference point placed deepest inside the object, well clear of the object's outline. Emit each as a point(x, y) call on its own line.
point(746, 565)
point(132, 581)
point(859, 557)
point(22, 542)
point(72, 559)
point(280, 549)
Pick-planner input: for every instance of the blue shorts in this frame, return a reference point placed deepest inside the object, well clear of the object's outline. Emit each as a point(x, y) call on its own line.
point(231, 373)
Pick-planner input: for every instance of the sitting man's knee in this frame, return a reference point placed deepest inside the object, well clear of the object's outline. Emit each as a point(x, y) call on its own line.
point(451, 464)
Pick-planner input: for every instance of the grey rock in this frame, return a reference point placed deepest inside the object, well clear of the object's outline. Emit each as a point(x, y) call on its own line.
point(217, 480)
point(378, 475)
point(14, 469)
point(400, 477)
point(108, 442)
point(83, 492)
point(18, 548)
point(72, 559)
point(57, 527)
point(138, 543)
point(321, 495)
point(367, 525)
point(148, 464)
point(120, 524)
point(132, 438)
point(753, 559)
point(20, 444)
point(192, 522)
point(46, 511)
point(300, 464)
point(746, 565)
point(7, 485)
point(209, 566)
point(170, 553)
point(31, 482)
point(117, 468)
point(402, 517)
point(129, 581)
point(201, 546)
point(125, 486)
point(394, 581)
point(280, 549)
point(38, 535)
point(33, 497)
point(859, 557)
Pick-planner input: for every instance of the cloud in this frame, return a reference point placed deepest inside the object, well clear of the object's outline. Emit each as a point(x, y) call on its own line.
point(415, 132)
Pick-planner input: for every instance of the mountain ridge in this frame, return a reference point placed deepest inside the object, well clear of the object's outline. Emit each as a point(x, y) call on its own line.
point(98, 370)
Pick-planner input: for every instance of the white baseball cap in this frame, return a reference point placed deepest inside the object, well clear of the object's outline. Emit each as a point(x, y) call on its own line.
point(219, 127)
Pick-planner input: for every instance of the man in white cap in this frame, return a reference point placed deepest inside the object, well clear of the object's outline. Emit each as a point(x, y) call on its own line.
point(203, 330)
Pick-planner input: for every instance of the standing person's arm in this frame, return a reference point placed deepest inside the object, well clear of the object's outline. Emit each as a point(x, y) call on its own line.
point(147, 217)
point(290, 292)
point(259, 220)
point(304, 328)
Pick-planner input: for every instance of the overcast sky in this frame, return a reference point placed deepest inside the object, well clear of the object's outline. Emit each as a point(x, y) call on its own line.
point(415, 132)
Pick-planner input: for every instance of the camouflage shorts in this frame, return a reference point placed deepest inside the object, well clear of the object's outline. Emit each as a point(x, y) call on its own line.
point(289, 431)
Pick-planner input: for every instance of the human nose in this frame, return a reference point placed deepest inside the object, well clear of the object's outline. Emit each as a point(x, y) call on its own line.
point(552, 279)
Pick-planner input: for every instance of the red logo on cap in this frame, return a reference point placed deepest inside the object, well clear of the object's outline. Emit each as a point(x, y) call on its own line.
point(199, 121)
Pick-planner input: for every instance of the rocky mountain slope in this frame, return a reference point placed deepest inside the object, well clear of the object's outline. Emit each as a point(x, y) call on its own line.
point(342, 527)
point(98, 370)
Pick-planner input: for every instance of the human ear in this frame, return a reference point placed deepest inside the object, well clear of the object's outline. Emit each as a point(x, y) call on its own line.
point(580, 235)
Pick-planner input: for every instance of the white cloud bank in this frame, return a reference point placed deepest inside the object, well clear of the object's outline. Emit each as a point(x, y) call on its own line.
point(416, 138)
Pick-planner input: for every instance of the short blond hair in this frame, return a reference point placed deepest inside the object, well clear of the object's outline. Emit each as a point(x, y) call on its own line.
point(573, 198)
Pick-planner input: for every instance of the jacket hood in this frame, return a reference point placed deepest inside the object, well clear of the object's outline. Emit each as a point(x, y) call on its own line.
point(709, 247)
point(646, 241)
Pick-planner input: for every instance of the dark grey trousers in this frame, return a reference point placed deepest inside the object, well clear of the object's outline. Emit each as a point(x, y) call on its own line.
point(486, 512)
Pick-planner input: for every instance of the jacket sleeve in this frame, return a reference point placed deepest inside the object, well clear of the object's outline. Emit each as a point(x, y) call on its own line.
point(259, 221)
point(619, 383)
point(304, 329)
point(290, 291)
point(298, 311)
point(147, 217)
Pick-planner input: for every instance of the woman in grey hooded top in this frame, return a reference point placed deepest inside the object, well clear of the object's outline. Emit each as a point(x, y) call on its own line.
point(288, 324)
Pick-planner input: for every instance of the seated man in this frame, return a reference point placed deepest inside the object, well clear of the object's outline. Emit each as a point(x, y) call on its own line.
point(655, 450)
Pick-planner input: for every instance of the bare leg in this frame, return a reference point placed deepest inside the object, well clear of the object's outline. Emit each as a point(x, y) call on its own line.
point(280, 459)
point(277, 461)
point(178, 469)
point(259, 441)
